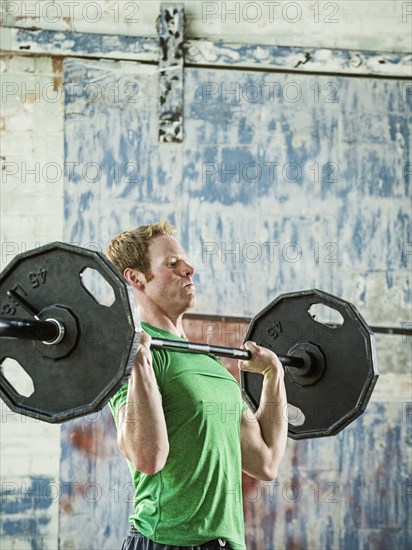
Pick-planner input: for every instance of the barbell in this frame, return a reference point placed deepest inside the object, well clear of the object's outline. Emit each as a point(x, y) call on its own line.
point(79, 349)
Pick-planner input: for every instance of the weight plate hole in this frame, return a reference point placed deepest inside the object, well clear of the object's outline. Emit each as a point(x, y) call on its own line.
point(17, 377)
point(295, 416)
point(326, 315)
point(97, 286)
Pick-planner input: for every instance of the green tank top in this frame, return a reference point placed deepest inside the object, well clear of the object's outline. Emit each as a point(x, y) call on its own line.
point(197, 496)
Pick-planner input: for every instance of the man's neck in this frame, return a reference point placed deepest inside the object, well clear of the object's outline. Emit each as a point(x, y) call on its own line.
point(169, 323)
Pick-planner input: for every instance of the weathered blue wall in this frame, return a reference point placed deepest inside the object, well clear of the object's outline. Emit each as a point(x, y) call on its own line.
point(26, 507)
point(282, 182)
point(304, 186)
point(98, 493)
point(347, 492)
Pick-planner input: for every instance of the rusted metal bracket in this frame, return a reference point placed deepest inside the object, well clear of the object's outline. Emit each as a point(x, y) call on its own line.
point(171, 58)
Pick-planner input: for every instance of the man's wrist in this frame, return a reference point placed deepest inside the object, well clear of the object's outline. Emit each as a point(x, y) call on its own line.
point(268, 369)
point(273, 370)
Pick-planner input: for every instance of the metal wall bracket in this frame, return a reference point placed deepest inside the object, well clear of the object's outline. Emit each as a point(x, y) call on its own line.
point(171, 60)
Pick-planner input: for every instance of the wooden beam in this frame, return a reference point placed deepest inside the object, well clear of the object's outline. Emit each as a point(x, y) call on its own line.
point(200, 53)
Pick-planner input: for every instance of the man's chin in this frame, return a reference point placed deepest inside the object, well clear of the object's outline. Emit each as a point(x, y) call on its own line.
point(191, 303)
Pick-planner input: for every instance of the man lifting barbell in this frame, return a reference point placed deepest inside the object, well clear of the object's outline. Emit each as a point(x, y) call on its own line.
point(186, 458)
point(48, 307)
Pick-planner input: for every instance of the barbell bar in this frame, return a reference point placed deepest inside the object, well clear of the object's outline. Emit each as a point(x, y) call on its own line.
point(79, 350)
point(50, 333)
point(47, 331)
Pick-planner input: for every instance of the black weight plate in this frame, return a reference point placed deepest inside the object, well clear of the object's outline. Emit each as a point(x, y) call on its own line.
point(344, 389)
point(84, 380)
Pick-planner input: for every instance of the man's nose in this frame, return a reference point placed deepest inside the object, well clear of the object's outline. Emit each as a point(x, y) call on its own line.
point(188, 270)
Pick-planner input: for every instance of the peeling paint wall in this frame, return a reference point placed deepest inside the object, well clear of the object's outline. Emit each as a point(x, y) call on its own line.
point(98, 496)
point(314, 166)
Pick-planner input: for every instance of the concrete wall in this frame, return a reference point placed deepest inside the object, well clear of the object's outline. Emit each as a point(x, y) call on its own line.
point(349, 492)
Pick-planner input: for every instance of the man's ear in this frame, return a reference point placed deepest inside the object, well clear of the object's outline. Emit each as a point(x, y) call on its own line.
point(135, 278)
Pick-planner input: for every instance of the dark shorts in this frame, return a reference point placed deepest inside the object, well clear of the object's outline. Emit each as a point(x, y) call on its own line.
point(137, 541)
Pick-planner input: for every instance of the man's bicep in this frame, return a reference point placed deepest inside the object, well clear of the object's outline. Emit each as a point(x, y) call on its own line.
point(253, 447)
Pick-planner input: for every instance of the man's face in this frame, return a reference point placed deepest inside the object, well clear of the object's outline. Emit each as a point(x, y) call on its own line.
point(171, 287)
